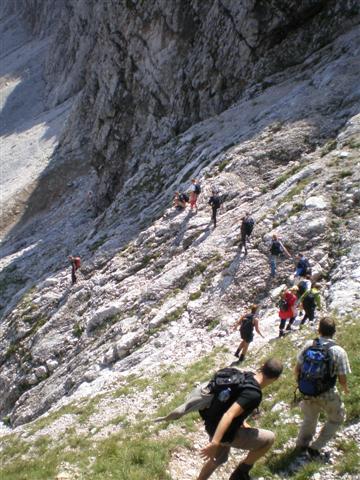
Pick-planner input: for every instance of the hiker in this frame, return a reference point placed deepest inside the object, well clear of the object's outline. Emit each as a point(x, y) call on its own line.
point(320, 363)
point(215, 203)
point(247, 226)
point(225, 422)
point(195, 191)
point(303, 267)
point(276, 249)
point(247, 324)
point(309, 300)
point(304, 285)
point(75, 265)
point(180, 200)
point(287, 309)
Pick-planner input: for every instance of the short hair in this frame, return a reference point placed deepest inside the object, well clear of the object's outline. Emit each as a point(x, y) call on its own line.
point(272, 368)
point(327, 327)
point(253, 308)
point(300, 254)
point(274, 236)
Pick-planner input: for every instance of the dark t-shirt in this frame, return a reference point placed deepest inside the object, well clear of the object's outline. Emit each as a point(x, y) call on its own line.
point(248, 398)
point(214, 201)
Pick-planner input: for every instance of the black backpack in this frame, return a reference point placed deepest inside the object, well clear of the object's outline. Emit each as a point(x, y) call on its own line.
point(215, 201)
point(226, 386)
point(302, 287)
point(184, 197)
point(197, 189)
point(249, 225)
point(316, 369)
point(247, 325)
point(283, 305)
point(275, 248)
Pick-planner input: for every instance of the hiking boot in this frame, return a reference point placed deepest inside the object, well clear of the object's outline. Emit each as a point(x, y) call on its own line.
point(313, 453)
point(242, 357)
point(288, 328)
point(281, 334)
point(240, 473)
point(236, 354)
point(299, 451)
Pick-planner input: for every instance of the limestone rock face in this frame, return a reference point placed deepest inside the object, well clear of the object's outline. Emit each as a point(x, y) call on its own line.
point(145, 72)
point(260, 101)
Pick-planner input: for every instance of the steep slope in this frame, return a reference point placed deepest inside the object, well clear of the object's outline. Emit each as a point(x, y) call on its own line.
point(160, 289)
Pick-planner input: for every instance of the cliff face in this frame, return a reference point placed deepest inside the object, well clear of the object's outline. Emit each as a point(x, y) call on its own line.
point(258, 99)
point(148, 71)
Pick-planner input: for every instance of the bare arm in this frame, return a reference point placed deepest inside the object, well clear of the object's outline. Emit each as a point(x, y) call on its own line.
point(237, 324)
point(343, 383)
point(256, 325)
point(209, 452)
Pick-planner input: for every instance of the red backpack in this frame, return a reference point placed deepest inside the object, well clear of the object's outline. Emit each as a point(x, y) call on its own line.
point(77, 262)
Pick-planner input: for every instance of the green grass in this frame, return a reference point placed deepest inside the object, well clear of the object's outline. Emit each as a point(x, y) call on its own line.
point(345, 173)
point(223, 165)
point(296, 190)
point(328, 147)
point(195, 295)
point(285, 176)
point(143, 449)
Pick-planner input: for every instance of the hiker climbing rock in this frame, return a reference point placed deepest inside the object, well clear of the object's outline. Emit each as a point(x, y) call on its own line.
point(236, 395)
point(195, 191)
point(287, 309)
point(180, 200)
point(215, 203)
point(247, 323)
point(247, 226)
point(320, 363)
point(75, 265)
point(309, 300)
point(276, 250)
point(303, 267)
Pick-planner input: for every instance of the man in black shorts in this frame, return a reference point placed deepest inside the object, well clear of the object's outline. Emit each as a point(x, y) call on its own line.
point(225, 422)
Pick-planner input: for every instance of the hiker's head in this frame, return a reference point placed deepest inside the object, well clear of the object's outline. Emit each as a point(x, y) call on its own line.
point(308, 276)
point(317, 286)
point(193, 180)
point(272, 369)
point(253, 308)
point(274, 237)
point(70, 258)
point(327, 327)
point(247, 214)
point(294, 289)
point(300, 255)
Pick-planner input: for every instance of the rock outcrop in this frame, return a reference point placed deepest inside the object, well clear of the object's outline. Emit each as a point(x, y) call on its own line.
point(260, 100)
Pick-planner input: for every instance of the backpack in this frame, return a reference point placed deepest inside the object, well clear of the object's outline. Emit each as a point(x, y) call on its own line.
point(226, 386)
point(315, 372)
point(197, 189)
point(302, 287)
point(202, 398)
point(216, 202)
point(77, 262)
point(309, 300)
point(249, 225)
point(275, 248)
point(247, 325)
point(304, 267)
point(184, 197)
point(283, 305)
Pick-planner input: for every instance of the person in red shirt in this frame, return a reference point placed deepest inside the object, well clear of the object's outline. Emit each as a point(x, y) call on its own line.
point(287, 310)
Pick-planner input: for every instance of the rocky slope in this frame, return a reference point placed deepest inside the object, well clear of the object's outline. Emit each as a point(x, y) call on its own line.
point(158, 287)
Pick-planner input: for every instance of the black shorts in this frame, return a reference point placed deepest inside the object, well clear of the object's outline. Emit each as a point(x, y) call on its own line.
point(247, 338)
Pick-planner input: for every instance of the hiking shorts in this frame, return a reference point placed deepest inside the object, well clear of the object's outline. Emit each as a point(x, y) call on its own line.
point(245, 439)
point(248, 338)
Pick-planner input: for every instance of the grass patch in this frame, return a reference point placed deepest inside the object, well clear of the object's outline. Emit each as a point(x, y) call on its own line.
point(350, 461)
point(94, 246)
point(345, 173)
point(214, 323)
point(328, 147)
point(195, 295)
point(132, 384)
point(286, 175)
point(223, 165)
point(296, 190)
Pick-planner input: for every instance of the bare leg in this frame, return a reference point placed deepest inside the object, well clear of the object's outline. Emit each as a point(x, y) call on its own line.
point(207, 470)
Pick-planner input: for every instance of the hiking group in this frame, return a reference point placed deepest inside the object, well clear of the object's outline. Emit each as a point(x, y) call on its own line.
point(233, 395)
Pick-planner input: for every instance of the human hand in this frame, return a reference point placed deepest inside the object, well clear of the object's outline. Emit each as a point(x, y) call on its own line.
point(209, 452)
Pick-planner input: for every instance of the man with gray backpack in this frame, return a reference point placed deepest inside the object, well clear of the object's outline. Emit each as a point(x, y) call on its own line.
point(319, 365)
